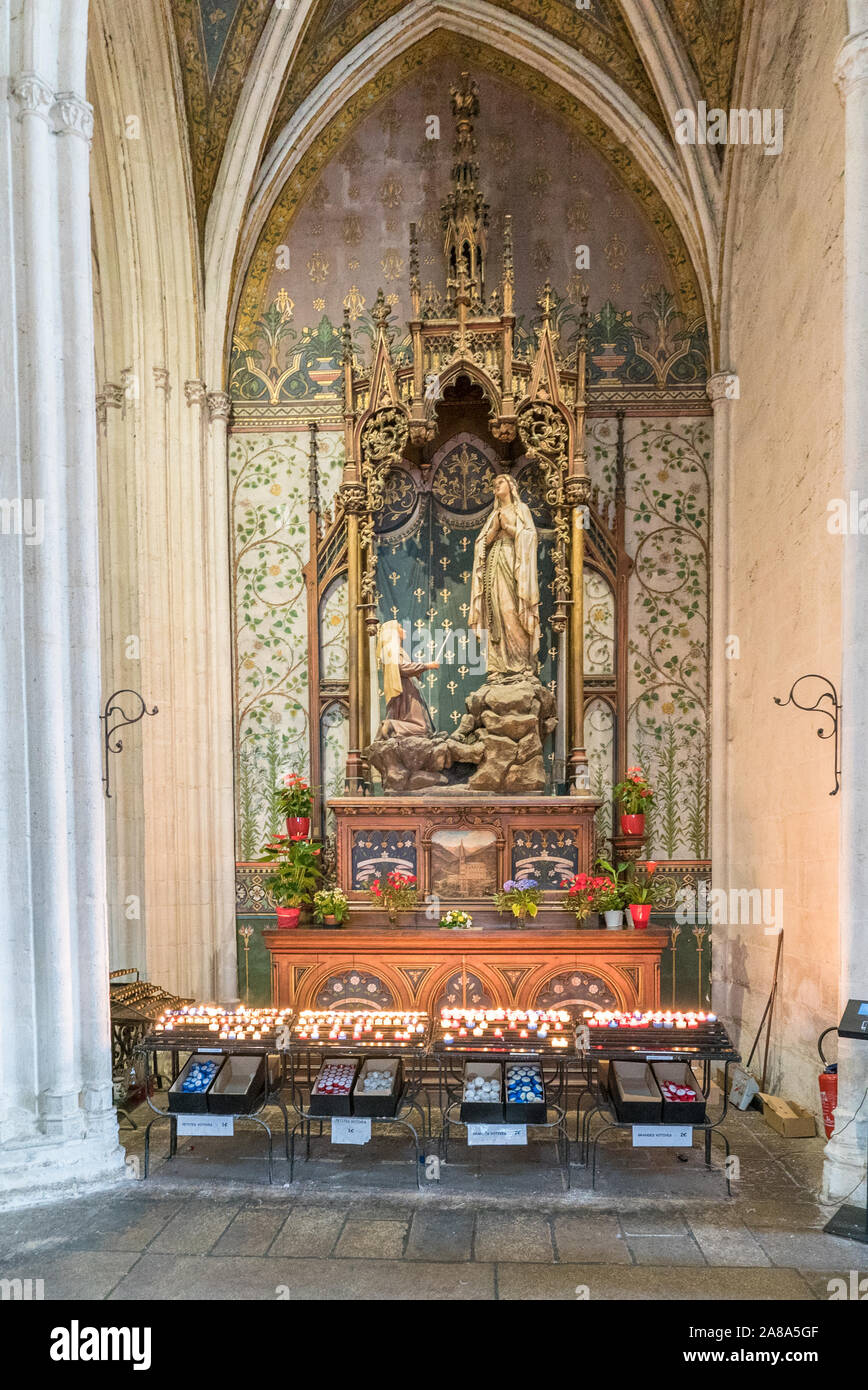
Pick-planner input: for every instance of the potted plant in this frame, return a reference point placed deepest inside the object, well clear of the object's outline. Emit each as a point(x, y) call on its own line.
point(296, 874)
point(296, 798)
point(330, 906)
point(585, 894)
point(396, 893)
point(609, 899)
point(520, 896)
point(641, 892)
point(634, 796)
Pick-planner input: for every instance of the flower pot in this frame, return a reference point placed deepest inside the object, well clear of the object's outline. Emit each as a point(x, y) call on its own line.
point(330, 920)
point(633, 825)
point(640, 912)
point(298, 827)
point(614, 919)
point(287, 918)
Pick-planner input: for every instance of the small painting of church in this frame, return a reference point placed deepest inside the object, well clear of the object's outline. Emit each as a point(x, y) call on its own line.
point(464, 863)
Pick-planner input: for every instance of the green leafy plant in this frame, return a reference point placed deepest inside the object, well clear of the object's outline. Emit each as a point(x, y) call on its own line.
point(633, 794)
point(297, 871)
point(331, 902)
point(520, 896)
point(641, 887)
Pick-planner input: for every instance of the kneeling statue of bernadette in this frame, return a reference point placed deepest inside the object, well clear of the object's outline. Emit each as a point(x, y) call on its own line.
point(407, 713)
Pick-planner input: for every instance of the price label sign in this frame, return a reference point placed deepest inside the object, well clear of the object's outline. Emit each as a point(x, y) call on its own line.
point(662, 1136)
point(350, 1129)
point(496, 1134)
point(282, 1039)
point(215, 1126)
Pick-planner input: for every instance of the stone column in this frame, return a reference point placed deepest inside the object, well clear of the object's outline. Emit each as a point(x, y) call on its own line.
point(846, 1151)
point(722, 391)
point(57, 1124)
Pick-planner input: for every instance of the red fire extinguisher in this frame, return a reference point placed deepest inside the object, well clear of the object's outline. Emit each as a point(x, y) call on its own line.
point(828, 1086)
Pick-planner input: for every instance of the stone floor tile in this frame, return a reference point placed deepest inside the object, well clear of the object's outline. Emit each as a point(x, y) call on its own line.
point(441, 1235)
point(590, 1237)
point(372, 1240)
point(727, 1243)
point(113, 1222)
point(73, 1274)
point(309, 1232)
point(813, 1250)
point(665, 1250)
point(602, 1282)
point(653, 1223)
point(251, 1232)
point(240, 1278)
point(195, 1229)
point(502, 1235)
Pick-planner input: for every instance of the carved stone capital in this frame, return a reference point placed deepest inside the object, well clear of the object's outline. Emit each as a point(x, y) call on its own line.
point(33, 96)
point(353, 498)
point(723, 386)
point(219, 405)
point(195, 393)
point(577, 492)
point(73, 116)
point(161, 378)
point(851, 64)
point(503, 430)
point(113, 394)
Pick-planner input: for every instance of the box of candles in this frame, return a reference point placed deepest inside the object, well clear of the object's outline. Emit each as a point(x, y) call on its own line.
point(482, 1096)
point(332, 1090)
point(188, 1095)
point(378, 1086)
point(238, 1086)
point(634, 1093)
point(525, 1094)
point(683, 1101)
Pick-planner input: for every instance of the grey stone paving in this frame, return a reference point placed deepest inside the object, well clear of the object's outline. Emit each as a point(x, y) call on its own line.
point(499, 1224)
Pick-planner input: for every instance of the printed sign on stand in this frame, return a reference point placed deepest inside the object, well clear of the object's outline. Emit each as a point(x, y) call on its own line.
point(350, 1129)
point(662, 1136)
point(496, 1134)
point(213, 1126)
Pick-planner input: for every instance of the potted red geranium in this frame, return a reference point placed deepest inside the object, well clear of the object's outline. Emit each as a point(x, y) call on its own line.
point(296, 799)
point(584, 894)
point(634, 795)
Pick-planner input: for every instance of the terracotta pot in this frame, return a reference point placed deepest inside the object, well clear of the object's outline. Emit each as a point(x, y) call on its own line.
point(287, 918)
point(298, 827)
point(633, 825)
point(640, 912)
point(329, 920)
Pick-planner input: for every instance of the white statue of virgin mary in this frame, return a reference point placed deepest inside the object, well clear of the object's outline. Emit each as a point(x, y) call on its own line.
point(504, 589)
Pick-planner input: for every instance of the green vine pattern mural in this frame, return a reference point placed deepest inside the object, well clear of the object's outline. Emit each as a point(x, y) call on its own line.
point(668, 488)
point(270, 546)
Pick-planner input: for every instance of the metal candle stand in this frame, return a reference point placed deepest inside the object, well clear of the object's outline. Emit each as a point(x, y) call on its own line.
point(707, 1044)
point(178, 1042)
point(408, 1103)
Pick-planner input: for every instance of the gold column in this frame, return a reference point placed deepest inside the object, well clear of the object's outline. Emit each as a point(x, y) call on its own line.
point(354, 595)
point(577, 493)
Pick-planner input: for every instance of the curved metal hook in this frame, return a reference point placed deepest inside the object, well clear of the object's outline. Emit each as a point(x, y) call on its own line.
point(110, 730)
point(831, 694)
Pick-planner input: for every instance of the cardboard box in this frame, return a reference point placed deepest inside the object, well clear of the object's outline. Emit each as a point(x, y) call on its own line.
point(684, 1112)
point(789, 1118)
point(331, 1104)
point(483, 1112)
point(379, 1102)
point(238, 1086)
point(525, 1112)
point(193, 1102)
point(634, 1093)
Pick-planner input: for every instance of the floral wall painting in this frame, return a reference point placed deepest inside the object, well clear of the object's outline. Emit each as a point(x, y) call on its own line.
point(668, 465)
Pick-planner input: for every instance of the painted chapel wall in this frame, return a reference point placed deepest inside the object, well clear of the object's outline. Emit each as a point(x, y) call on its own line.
point(785, 326)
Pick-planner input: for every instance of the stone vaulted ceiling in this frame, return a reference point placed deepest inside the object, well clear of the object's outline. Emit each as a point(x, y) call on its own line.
point(217, 40)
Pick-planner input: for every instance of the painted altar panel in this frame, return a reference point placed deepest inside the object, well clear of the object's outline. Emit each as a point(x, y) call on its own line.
point(464, 863)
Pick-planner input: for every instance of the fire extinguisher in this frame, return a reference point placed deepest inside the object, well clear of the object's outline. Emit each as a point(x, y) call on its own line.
point(828, 1086)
